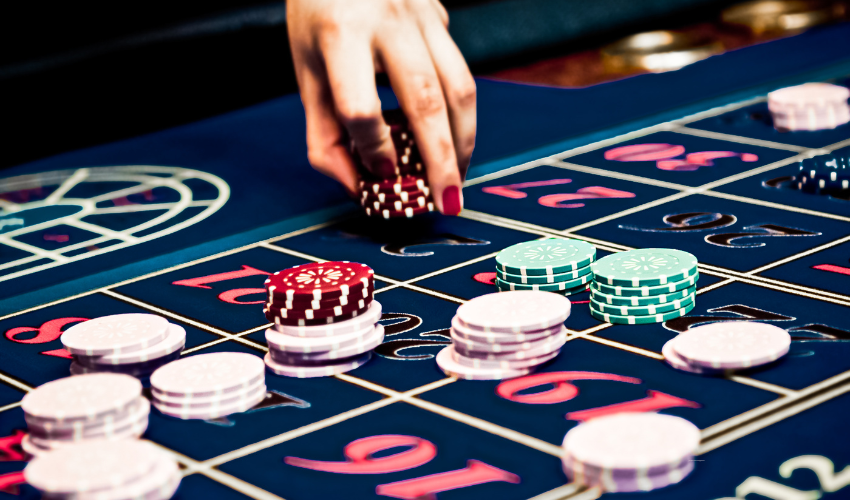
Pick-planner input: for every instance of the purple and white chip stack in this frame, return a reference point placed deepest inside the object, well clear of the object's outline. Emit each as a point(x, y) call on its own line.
point(716, 348)
point(505, 335)
point(116, 470)
point(326, 349)
point(134, 344)
point(97, 407)
point(628, 452)
point(209, 386)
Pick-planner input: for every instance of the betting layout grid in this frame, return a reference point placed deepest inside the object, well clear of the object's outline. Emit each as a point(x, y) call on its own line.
point(522, 442)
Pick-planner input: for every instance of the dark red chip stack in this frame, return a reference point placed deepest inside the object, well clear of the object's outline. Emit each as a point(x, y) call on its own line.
point(325, 321)
point(405, 193)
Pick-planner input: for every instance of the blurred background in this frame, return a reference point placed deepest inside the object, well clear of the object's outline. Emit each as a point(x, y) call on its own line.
point(76, 74)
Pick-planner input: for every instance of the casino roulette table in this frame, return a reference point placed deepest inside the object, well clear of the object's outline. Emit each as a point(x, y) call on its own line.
point(187, 223)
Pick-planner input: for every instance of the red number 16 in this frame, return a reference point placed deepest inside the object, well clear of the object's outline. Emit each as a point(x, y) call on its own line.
point(419, 452)
point(664, 156)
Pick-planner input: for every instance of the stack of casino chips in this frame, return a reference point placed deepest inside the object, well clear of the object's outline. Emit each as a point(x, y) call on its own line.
point(717, 348)
point(325, 319)
point(645, 286)
point(89, 408)
point(811, 106)
point(629, 452)
point(827, 174)
point(134, 344)
point(209, 386)
point(561, 266)
point(505, 335)
point(116, 470)
point(404, 192)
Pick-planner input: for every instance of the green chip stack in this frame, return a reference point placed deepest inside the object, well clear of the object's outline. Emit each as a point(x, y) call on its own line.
point(552, 265)
point(651, 285)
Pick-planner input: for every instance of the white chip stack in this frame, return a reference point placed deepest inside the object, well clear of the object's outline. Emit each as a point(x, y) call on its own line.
point(118, 470)
point(628, 452)
point(716, 348)
point(97, 407)
point(505, 335)
point(133, 344)
point(811, 106)
point(324, 350)
point(209, 386)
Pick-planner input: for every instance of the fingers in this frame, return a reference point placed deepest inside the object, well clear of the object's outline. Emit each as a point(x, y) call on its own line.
point(336, 72)
point(417, 86)
point(350, 71)
point(458, 87)
point(326, 150)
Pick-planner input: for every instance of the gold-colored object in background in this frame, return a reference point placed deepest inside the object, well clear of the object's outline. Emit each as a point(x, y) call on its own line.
point(657, 51)
point(783, 16)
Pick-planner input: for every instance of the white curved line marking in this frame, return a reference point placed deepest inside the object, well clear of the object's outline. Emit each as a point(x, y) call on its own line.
point(92, 228)
point(68, 179)
point(40, 252)
point(142, 208)
point(79, 176)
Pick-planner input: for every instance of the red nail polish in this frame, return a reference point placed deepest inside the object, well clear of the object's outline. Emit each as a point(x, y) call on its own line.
point(451, 200)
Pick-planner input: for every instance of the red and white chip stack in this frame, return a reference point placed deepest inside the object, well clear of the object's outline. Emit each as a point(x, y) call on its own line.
point(404, 192)
point(505, 335)
point(133, 344)
point(811, 106)
point(325, 320)
point(97, 407)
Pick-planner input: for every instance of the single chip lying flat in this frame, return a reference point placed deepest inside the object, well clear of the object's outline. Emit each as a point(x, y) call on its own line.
point(733, 344)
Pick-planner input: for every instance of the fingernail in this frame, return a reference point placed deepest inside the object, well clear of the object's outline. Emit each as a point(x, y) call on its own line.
point(451, 201)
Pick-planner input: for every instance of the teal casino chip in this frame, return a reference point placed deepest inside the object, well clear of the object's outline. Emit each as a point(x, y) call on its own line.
point(550, 287)
point(565, 293)
point(640, 320)
point(544, 257)
point(645, 267)
point(646, 291)
point(543, 279)
point(642, 310)
point(635, 301)
point(573, 291)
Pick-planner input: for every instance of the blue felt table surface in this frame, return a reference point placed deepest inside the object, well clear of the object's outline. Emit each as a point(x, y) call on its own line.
point(261, 152)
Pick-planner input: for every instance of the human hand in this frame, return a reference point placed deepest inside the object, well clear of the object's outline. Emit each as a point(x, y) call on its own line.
point(339, 45)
